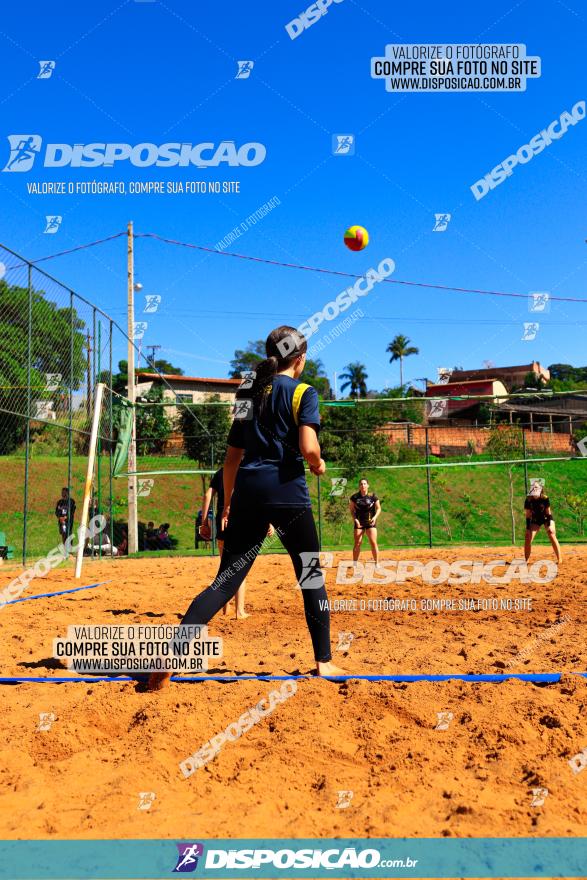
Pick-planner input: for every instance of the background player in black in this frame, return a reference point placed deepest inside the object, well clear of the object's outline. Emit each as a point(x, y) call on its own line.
point(64, 511)
point(265, 482)
point(217, 489)
point(365, 508)
point(538, 513)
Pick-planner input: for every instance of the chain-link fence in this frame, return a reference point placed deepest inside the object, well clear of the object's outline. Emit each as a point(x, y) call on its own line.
point(440, 480)
point(442, 483)
point(55, 346)
point(441, 505)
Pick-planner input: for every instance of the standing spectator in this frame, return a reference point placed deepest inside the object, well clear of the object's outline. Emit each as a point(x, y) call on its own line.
point(65, 511)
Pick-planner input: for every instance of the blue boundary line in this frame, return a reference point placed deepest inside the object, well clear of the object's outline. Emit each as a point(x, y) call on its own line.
point(59, 593)
point(536, 677)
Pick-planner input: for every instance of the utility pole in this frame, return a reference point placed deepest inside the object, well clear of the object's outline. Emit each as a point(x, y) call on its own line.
point(133, 540)
point(151, 360)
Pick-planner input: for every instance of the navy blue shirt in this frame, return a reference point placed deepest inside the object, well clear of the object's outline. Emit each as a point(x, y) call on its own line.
point(272, 469)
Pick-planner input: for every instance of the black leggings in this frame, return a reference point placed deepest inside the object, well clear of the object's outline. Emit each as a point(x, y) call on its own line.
point(245, 533)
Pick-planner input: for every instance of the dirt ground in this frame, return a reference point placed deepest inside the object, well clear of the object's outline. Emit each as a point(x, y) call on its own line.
point(381, 741)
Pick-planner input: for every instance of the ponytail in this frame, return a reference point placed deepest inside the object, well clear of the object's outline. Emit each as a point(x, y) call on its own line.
point(283, 346)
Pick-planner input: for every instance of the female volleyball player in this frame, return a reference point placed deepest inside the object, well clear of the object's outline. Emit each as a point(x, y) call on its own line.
point(217, 488)
point(275, 428)
point(365, 508)
point(538, 513)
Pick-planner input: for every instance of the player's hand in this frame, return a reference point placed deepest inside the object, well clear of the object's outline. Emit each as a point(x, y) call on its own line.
point(357, 524)
point(225, 515)
point(319, 469)
point(206, 531)
point(270, 531)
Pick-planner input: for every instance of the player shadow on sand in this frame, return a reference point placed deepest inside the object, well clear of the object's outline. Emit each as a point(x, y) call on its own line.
point(46, 663)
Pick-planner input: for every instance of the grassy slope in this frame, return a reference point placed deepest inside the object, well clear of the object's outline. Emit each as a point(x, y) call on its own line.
point(482, 492)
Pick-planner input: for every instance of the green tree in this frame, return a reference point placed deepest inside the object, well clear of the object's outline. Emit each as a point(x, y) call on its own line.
point(413, 410)
point(336, 513)
point(577, 504)
point(153, 424)
point(464, 513)
point(355, 378)
point(205, 430)
point(54, 329)
point(118, 381)
point(400, 348)
point(505, 441)
point(314, 374)
point(574, 377)
point(532, 381)
point(355, 422)
point(165, 367)
point(354, 456)
point(353, 435)
point(245, 359)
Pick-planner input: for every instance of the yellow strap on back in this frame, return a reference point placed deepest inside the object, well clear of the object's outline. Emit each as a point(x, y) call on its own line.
point(297, 399)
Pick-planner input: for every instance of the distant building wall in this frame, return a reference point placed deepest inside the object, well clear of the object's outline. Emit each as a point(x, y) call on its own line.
point(447, 441)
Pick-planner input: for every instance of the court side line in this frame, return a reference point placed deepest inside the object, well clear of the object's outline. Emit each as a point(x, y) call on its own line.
point(536, 677)
point(58, 593)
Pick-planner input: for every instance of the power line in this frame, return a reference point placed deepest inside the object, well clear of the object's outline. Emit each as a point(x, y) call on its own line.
point(81, 247)
point(348, 274)
point(268, 262)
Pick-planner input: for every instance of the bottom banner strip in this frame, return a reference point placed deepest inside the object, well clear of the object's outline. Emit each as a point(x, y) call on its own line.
point(256, 858)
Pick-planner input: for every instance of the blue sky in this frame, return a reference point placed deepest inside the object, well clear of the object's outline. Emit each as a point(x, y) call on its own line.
point(155, 72)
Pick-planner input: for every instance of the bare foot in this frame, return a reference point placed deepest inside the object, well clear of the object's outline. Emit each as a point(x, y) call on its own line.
point(329, 669)
point(158, 681)
point(241, 615)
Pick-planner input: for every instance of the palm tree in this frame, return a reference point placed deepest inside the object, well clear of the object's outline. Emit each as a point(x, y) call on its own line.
point(399, 348)
point(355, 377)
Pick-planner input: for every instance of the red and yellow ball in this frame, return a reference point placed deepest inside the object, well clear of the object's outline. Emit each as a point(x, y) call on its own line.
point(356, 238)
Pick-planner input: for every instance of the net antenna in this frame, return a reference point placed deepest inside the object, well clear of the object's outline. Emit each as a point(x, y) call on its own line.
point(83, 528)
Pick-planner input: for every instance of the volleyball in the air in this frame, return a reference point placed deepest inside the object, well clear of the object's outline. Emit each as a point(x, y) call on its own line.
point(356, 238)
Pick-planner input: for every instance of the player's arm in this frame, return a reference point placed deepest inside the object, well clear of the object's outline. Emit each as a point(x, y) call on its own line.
point(232, 462)
point(377, 511)
point(528, 515)
point(206, 501)
point(353, 510)
point(548, 515)
point(310, 449)
point(309, 424)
